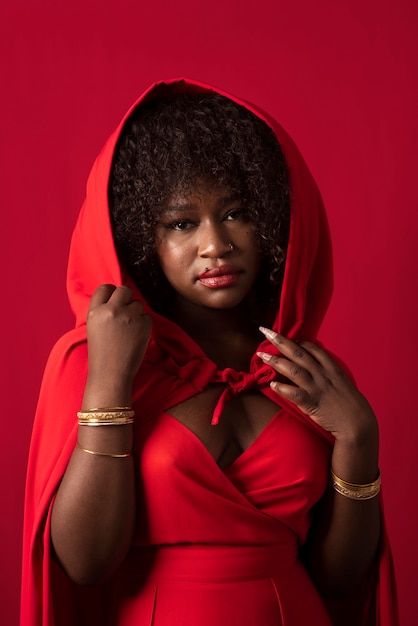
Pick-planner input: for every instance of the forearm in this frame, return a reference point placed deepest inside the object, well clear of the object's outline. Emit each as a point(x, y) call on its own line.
point(94, 511)
point(345, 536)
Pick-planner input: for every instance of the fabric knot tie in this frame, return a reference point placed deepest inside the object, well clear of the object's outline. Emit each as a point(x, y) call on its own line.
point(238, 382)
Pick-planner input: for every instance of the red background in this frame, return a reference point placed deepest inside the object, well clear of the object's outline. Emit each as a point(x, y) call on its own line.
point(339, 75)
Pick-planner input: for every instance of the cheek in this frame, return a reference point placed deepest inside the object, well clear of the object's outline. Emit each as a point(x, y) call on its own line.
point(252, 243)
point(257, 256)
point(172, 256)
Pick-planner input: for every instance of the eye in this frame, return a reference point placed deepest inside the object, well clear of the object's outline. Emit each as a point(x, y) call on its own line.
point(180, 225)
point(236, 214)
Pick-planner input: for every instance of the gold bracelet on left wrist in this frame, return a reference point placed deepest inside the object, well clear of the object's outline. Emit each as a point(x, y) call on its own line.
point(355, 491)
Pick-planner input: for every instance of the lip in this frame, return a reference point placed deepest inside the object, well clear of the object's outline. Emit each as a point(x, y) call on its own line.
point(220, 270)
point(219, 277)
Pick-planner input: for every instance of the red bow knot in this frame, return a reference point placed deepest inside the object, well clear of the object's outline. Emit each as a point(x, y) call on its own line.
point(237, 382)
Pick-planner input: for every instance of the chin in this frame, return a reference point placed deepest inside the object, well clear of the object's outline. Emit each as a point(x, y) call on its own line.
point(224, 303)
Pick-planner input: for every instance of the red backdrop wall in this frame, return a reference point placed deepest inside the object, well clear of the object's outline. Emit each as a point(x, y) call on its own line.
point(341, 77)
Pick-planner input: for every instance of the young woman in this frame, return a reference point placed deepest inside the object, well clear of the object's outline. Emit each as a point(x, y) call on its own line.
point(223, 468)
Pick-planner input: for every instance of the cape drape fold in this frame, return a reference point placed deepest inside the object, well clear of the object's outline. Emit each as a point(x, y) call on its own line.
point(174, 367)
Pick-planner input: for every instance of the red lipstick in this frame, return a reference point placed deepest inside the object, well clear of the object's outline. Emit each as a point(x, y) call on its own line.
point(220, 276)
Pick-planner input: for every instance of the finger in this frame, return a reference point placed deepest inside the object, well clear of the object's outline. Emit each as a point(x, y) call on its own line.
point(291, 350)
point(291, 370)
point(121, 295)
point(101, 295)
point(323, 358)
point(296, 395)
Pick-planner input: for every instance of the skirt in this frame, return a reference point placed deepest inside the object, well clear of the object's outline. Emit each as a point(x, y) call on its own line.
point(213, 585)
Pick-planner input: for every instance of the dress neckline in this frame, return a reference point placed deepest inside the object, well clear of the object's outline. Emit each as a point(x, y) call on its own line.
point(241, 458)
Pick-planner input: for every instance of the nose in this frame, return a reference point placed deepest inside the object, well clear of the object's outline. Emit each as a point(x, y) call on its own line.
point(213, 242)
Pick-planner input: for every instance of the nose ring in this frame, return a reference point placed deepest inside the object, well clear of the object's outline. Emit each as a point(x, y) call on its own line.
point(231, 247)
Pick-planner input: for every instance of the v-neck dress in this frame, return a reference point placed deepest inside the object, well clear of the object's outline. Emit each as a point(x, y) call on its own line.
point(217, 546)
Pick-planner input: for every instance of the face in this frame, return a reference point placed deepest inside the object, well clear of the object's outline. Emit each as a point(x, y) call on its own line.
point(207, 248)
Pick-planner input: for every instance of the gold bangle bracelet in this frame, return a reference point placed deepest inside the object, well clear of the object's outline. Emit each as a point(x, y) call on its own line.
point(112, 422)
point(113, 456)
point(108, 409)
point(355, 491)
point(113, 417)
point(105, 415)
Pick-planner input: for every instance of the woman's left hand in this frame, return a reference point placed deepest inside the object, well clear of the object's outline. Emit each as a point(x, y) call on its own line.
point(319, 388)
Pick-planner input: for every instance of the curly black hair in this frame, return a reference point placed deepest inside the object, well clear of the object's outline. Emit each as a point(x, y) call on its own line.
point(171, 144)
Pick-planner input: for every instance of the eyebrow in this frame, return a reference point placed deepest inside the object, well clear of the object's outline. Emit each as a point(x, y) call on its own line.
point(184, 206)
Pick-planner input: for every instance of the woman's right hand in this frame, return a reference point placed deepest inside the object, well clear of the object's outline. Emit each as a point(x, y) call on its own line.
point(118, 332)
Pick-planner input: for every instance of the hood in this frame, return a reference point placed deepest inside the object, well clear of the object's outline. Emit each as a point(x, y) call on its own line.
point(307, 284)
point(174, 367)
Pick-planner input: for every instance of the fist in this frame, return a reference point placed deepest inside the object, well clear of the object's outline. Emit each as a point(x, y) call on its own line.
point(118, 332)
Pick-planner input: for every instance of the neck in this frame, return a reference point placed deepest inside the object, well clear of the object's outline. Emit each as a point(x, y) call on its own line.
point(228, 336)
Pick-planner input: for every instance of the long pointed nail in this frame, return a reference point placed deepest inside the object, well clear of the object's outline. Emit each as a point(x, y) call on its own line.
point(270, 334)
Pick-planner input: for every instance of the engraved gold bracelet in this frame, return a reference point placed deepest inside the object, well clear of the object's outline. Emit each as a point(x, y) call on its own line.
point(354, 491)
point(107, 416)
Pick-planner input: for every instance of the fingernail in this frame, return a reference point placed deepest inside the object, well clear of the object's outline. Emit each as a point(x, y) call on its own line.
point(265, 356)
point(268, 333)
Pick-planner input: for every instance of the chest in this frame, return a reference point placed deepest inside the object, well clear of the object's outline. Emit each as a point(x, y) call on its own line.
point(243, 419)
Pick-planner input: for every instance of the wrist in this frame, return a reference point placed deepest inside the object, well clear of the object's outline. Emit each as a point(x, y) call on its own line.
point(360, 442)
point(355, 458)
point(360, 435)
point(100, 392)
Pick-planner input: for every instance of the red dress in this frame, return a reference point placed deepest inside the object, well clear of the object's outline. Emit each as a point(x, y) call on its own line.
point(211, 545)
point(230, 538)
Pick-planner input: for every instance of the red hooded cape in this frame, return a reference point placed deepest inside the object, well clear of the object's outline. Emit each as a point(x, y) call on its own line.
point(174, 369)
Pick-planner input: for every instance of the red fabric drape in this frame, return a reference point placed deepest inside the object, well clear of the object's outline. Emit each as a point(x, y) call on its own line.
point(174, 368)
point(342, 79)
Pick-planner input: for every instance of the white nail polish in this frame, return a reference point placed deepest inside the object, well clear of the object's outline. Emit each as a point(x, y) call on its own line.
point(268, 333)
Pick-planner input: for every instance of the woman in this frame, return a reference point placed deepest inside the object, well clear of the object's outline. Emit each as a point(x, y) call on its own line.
point(222, 467)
